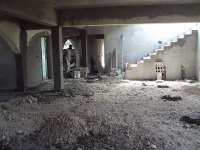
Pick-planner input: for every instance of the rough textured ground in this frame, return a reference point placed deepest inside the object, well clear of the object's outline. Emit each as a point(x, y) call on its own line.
point(111, 114)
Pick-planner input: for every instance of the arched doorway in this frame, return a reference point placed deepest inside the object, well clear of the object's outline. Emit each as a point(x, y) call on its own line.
point(71, 45)
point(37, 59)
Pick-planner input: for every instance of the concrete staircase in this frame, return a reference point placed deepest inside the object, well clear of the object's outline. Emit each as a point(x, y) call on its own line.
point(144, 69)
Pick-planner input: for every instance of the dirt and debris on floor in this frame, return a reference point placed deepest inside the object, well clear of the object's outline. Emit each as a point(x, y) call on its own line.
point(171, 97)
point(192, 118)
point(107, 114)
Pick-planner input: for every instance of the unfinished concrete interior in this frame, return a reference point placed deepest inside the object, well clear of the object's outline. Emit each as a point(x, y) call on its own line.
point(99, 75)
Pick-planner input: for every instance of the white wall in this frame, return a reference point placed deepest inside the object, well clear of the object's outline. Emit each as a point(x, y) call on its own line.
point(181, 53)
point(138, 40)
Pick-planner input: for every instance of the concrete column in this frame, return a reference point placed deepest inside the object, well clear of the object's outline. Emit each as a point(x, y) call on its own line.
point(198, 53)
point(84, 48)
point(111, 61)
point(57, 46)
point(116, 59)
point(49, 57)
point(21, 62)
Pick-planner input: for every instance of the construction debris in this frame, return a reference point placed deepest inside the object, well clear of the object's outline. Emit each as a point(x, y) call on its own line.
point(159, 81)
point(93, 78)
point(144, 84)
point(171, 97)
point(192, 118)
point(163, 86)
point(118, 115)
point(190, 81)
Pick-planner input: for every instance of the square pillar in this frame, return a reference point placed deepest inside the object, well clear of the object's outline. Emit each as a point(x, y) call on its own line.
point(21, 62)
point(84, 39)
point(116, 59)
point(198, 54)
point(49, 57)
point(57, 46)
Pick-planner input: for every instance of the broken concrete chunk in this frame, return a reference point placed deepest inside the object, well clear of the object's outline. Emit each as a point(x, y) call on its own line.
point(144, 84)
point(20, 132)
point(193, 118)
point(153, 146)
point(4, 106)
point(163, 86)
point(92, 80)
point(159, 81)
point(190, 81)
point(171, 97)
point(62, 146)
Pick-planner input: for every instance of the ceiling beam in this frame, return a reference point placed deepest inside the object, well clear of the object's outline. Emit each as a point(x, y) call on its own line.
point(29, 10)
point(69, 32)
point(130, 15)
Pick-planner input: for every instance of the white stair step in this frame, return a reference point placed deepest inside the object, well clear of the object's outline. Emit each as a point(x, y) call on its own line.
point(168, 44)
point(134, 65)
point(152, 54)
point(188, 32)
point(173, 41)
point(140, 62)
point(146, 58)
point(181, 36)
point(131, 66)
point(161, 49)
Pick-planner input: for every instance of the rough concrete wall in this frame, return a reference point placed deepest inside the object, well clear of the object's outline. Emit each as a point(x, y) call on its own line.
point(79, 51)
point(182, 53)
point(34, 62)
point(92, 50)
point(136, 40)
point(11, 30)
point(8, 67)
point(198, 55)
point(34, 56)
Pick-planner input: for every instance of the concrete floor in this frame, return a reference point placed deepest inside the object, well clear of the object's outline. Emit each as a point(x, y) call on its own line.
point(108, 114)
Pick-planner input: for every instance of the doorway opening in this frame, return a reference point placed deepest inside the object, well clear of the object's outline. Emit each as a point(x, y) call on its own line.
point(100, 44)
point(44, 58)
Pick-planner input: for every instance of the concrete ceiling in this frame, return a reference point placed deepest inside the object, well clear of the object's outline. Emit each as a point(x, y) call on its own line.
point(59, 4)
point(44, 11)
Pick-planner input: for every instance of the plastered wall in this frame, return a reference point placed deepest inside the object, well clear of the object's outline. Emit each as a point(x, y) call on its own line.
point(7, 66)
point(34, 56)
point(183, 53)
point(34, 62)
point(9, 47)
point(11, 30)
